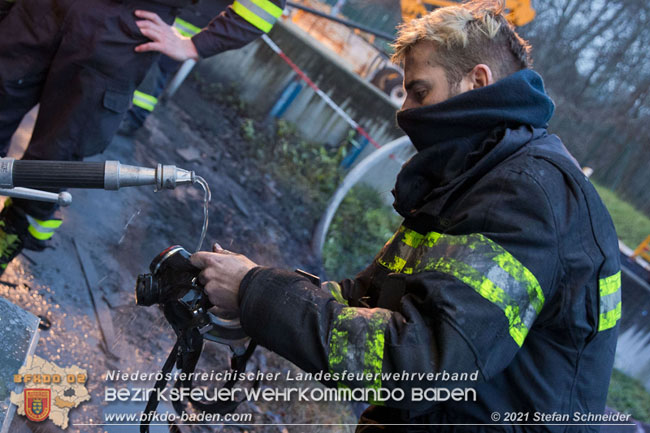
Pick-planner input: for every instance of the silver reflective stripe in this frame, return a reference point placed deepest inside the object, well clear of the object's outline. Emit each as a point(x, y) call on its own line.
point(481, 258)
point(144, 100)
point(38, 226)
point(609, 302)
point(480, 254)
point(477, 261)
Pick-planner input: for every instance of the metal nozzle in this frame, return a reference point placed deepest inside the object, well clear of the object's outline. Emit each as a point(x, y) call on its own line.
point(169, 176)
point(118, 176)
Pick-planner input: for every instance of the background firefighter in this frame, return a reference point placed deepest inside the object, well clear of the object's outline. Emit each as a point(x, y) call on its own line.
point(189, 22)
point(506, 263)
point(81, 60)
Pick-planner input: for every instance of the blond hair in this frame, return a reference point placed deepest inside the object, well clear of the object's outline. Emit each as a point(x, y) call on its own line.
point(465, 36)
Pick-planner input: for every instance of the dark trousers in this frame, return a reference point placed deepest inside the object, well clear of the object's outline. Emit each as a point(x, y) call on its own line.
point(76, 58)
point(160, 73)
point(153, 84)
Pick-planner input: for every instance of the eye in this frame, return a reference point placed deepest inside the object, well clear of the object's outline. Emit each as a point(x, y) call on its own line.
point(420, 94)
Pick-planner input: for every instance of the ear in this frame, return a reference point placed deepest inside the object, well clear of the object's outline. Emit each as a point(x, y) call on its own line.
point(480, 76)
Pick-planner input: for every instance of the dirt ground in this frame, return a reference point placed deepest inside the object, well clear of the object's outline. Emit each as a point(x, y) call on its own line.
point(123, 230)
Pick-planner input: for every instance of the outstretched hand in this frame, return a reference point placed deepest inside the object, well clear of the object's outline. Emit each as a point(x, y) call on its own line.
point(222, 273)
point(164, 37)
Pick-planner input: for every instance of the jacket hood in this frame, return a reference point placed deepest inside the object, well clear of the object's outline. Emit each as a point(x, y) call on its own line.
point(466, 134)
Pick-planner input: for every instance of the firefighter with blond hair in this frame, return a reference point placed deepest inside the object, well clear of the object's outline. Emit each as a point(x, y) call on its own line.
point(503, 278)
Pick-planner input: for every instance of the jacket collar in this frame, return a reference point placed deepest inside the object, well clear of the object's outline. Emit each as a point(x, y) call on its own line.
point(469, 134)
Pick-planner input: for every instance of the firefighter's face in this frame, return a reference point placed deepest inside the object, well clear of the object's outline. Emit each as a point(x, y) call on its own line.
point(426, 82)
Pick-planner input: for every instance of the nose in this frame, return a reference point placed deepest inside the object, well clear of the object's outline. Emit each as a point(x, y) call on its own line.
point(408, 103)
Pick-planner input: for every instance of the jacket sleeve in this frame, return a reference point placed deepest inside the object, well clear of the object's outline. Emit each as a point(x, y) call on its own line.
point(239, 24)
point(470, 300)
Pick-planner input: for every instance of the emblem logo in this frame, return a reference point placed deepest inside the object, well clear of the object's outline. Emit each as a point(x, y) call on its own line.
point(37, 404)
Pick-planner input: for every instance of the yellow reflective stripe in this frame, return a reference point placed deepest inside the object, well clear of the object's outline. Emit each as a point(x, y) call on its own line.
point(608, 320)
point(365, 353)
point(338, 346)
point(506, 261)
point(412, 238)
point(396, 265)
point(373, 358)
point(411, 247)
point(269, 7)
point(49, 224)
point(249, 16)
point(260, 19)
point(143, 105)
point(38, 235)
point(144, 101)
point(609, 285)
point(186, 29)
point(491, 267)
point(184, 32)
point(42, 229)
point(519, 272)
point(44, 226)
point(335, 289)
point(610, 301)
point(497, 254)
point(488, 290)
point(146, 97)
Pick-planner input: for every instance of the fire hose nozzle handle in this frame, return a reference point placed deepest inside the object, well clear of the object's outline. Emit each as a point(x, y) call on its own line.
point(51, 174)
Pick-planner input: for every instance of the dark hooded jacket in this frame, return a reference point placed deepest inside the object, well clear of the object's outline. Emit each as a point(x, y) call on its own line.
point(506, 266)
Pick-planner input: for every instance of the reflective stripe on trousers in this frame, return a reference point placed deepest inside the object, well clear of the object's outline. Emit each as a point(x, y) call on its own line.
point(42, 230)
point(144, 101)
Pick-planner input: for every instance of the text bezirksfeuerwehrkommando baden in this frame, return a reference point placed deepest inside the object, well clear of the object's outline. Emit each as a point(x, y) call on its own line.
point(375, 392)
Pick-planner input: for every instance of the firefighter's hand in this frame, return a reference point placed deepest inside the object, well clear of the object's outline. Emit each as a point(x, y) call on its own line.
point(221, 275)
point(165, 38)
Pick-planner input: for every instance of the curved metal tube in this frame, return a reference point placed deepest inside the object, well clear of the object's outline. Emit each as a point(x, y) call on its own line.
point(352, 178)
